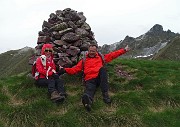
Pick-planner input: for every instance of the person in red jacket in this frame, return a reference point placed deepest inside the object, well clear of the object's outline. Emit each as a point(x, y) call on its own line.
point(46, 74)
point(94, 73)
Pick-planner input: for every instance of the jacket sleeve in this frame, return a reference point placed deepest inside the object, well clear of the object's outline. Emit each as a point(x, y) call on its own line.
point(77, 68)
point(53, 66)
point(40, 68)
point(112, 55)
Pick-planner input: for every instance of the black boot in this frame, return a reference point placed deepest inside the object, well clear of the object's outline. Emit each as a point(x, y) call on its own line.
point(63, 94)
point(106, 98)
point(86, 102)
point(55, 97)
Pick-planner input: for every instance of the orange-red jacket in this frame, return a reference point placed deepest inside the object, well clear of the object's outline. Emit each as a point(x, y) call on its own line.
point(49, 63)
point(92, 65)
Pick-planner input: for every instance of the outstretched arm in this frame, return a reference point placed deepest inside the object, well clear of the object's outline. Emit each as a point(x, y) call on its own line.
point(77, 68)
point(112, 55)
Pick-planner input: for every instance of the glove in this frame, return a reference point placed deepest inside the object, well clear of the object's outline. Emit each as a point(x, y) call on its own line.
point(55, 76)
point(61, 71)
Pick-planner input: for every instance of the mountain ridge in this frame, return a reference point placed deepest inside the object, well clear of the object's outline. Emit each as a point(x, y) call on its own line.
point(145, 45)
point(15, 61)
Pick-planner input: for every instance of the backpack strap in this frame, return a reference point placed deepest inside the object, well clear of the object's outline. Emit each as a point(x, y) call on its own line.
point(35, 73)
point(103, 58)
point(83, 62)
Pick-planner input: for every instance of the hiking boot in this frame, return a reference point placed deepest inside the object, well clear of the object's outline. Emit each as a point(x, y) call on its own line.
point(86, 102)
point(106, 98)
point(55, 95)
point(63, 94)
point(60, 100)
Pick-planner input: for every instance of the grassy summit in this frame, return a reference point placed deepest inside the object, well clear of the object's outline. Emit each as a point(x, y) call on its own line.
point(145, 94)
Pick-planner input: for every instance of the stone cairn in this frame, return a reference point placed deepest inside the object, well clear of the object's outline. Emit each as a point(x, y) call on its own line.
point(70, 35)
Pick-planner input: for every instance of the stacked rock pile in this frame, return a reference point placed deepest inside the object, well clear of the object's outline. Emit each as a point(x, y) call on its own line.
point(70, 35)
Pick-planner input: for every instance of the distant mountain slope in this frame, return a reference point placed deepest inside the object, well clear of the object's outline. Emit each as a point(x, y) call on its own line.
point(15, 61)
point(146, 45)
point(171, 51)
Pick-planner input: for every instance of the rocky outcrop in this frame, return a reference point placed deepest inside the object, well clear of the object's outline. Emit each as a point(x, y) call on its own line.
point(68, 31)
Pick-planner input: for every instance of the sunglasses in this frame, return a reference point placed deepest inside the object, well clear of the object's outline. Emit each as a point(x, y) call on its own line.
point(47, 50)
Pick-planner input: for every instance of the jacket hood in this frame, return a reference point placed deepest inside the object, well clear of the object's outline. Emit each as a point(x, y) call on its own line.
point(46, 46)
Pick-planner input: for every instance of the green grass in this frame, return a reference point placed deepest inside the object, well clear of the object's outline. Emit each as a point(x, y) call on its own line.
point(170, 52)
point(147, 95)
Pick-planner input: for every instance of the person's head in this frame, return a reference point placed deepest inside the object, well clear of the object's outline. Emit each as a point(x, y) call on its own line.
point(47, 50)
point(92, 50)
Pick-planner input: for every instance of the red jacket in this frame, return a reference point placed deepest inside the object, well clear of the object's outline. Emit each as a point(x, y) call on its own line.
point(92, 65)
point(49, 63)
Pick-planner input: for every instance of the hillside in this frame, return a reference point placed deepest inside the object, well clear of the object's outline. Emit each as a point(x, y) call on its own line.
point(170, 52)
point(15, 61)
point(145, 94)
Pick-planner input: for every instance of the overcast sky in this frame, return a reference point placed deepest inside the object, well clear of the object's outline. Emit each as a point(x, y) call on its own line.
point(110, 20)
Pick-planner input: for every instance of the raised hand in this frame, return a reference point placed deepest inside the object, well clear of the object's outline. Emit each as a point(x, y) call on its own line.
point(127, 48)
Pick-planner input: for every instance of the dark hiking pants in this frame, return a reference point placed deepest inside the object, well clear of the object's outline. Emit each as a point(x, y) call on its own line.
point(52, 84)
point(92, 84)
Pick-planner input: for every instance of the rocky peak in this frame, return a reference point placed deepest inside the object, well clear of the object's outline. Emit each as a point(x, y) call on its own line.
point(128, 39)
point(156, 29)
point(146, 45)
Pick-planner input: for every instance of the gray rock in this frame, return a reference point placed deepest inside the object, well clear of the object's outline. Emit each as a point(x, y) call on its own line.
point(69, 33)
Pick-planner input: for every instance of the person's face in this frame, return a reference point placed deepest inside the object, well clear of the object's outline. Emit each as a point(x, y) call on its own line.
point(48, 52)
point(92, 51)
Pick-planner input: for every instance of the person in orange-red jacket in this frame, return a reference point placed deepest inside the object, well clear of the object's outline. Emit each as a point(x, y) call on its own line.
point(94, 73)
point(46, 74)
